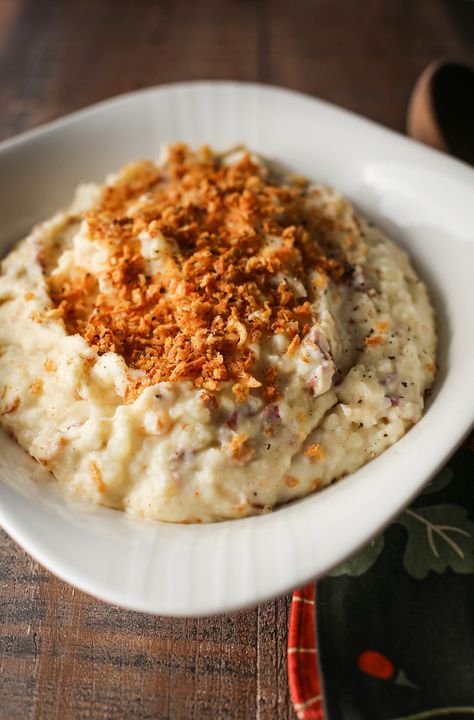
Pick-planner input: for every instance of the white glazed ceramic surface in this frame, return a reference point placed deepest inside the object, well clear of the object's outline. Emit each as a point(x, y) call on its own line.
point(421, 198)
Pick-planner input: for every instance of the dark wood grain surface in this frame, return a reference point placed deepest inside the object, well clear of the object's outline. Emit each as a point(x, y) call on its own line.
point(64, 655)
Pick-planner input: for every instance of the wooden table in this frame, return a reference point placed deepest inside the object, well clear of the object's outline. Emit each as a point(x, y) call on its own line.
point(64, 655)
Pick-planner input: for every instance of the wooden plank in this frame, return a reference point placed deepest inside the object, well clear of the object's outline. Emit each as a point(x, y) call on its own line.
point(364, 56)
point(60, 56)
point(65, 655)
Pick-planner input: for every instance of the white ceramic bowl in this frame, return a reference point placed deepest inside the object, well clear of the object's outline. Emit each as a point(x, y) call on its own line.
point(419, 197)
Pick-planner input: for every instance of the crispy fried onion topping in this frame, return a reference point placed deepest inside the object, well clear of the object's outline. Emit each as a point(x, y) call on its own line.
point(228, 259)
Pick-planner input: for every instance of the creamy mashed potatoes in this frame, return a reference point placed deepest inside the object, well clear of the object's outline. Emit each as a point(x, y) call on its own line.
point(209, 338)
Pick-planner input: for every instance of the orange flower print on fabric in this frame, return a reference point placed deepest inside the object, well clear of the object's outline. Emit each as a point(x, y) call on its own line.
point(374, 663)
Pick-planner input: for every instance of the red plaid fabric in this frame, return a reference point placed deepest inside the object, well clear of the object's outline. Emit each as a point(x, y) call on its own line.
point(303, 667)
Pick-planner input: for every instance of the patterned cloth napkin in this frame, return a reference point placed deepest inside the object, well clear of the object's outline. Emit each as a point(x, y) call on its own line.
point(389, 635)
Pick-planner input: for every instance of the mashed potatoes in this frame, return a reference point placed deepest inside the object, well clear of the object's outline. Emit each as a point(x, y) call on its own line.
point(209, 338)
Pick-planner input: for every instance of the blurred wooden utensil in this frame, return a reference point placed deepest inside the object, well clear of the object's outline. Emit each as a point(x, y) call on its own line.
point(441, 109)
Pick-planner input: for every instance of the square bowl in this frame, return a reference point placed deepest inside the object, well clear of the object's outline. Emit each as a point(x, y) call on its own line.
point(420, 198)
